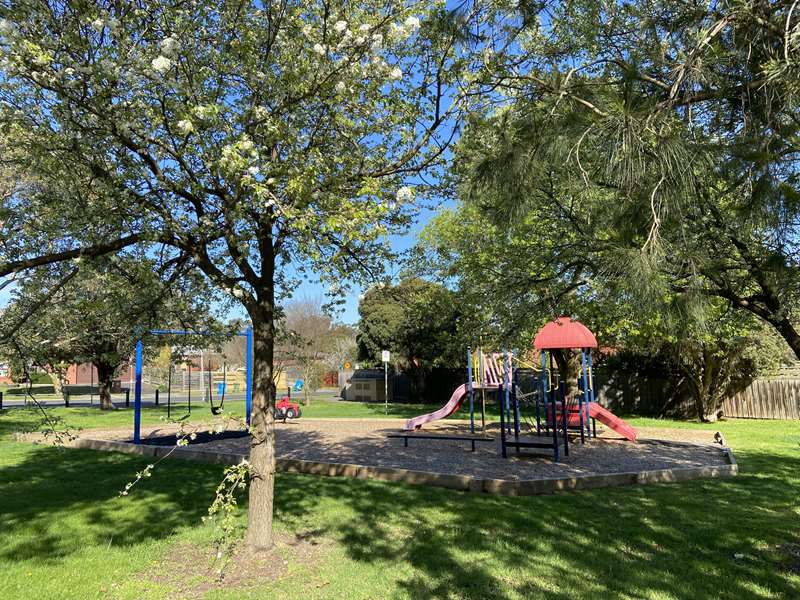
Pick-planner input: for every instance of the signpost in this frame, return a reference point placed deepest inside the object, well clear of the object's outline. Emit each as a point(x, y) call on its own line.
point(386, 356)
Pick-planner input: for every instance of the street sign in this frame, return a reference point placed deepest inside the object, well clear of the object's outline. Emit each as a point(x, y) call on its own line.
point(386, 356)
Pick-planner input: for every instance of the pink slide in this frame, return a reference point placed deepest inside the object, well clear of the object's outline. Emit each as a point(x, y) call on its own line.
point(608, 418)
point(448, 409)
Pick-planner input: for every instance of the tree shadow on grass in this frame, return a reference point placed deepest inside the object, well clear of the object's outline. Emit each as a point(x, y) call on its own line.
point(57, 501)
point(677, 540)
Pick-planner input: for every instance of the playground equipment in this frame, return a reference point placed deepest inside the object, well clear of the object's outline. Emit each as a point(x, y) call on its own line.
point(137, 406)
point(555, 413)
point(286, 409)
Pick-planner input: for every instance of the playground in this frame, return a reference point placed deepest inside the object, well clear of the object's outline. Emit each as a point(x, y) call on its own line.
point(544, 433)
point(366, 442)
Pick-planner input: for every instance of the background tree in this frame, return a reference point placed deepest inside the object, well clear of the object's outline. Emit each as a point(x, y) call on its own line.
point(309, 338)
point(97, 312)
point(660, 144)
point(416, 320)
point(258, 140)
point(423, 324)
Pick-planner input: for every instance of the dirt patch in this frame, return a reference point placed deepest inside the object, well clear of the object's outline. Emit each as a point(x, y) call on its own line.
point(192, 570)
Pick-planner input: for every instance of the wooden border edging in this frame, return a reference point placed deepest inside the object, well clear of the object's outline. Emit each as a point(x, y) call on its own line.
point(465, 483)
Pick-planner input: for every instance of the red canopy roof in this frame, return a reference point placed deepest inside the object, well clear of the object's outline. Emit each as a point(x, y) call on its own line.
point(564, 333)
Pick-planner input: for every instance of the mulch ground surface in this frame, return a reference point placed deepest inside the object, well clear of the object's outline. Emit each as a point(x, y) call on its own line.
point(365, 442)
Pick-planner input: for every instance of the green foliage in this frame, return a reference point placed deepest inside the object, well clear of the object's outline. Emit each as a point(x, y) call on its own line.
point(95, 312)
point(418, 321)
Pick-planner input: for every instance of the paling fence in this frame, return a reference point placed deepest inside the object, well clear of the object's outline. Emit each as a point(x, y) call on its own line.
point(766, 399)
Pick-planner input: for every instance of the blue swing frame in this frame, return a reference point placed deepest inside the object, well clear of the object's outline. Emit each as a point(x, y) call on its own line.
point(137, 403)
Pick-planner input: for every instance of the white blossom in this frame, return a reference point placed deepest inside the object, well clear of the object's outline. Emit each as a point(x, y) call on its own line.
point(340, 87)
point(319, 49)
point(270, 181)
point(396, 74)
point(404, 195)
point(169, 46)
point(364, 27)
point(161, 64)
point(254, 170)
point(98, 25)
point(340, 26)
point(411, 23)
point(185, 126)
point(6, 27)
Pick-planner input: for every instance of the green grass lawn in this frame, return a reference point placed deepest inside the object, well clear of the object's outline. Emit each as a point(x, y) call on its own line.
point(65, 532)
point(91, 417)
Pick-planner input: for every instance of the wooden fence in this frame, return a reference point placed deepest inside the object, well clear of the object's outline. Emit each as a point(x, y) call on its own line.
point(766, 399)
point(762, 399)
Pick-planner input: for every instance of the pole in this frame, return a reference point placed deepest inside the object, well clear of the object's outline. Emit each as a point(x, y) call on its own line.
point(483, 388)
point(545, 388)
point(249, 375)
point(169, 388)
point(503, 451)
point(137, 398)
point(553, 409)
point(386, 387)
point(470, 391)
point(91, 384)
point(585, 407)
point(507, 383)
point(202, 382)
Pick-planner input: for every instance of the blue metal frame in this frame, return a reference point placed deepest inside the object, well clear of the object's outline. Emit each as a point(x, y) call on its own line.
point(545, 391)
point(248, 397)
point(137, 404)
point(507, 384)
point(584, 368)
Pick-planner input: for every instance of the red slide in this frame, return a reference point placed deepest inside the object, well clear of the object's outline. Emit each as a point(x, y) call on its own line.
point(607, 418)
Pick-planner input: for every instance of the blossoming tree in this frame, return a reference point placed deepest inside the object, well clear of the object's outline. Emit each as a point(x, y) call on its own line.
point(262, 140)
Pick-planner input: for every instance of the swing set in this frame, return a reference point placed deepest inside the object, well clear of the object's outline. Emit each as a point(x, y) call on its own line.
point(215, 409)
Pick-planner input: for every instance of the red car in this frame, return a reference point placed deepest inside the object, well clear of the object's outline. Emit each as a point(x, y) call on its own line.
point(286, 409)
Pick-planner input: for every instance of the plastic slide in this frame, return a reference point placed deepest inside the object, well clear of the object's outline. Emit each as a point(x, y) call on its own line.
point(448, 409)
point(607, 418)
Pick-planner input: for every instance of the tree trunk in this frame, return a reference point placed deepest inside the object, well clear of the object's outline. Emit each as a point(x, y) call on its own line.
point(787, 331)
point(306, 393)
point(105, 381)
point(262, 426)
point(569, 370)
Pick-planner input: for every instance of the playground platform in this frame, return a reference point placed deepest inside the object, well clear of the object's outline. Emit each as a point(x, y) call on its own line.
point(360, 448)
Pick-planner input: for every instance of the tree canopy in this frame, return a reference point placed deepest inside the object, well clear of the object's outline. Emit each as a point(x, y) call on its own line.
point(262, 142)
